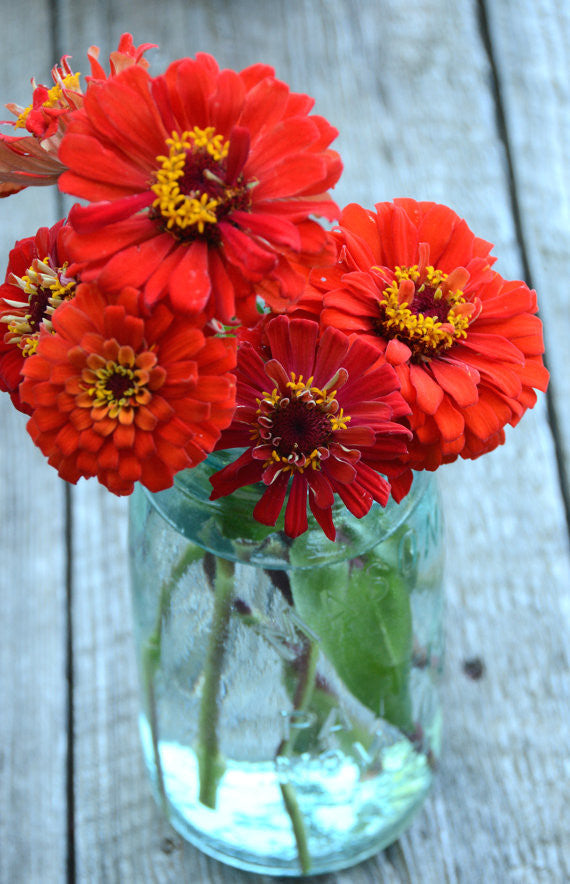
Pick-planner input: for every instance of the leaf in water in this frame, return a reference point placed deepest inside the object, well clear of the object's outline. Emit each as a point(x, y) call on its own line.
point(361, 611)
point(236, 522)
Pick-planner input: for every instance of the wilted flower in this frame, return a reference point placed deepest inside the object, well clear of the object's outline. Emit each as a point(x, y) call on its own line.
point(32, 159)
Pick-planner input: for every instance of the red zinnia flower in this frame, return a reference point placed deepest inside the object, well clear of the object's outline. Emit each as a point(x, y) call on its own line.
point(319, 412)
point(37, 282)
point(204, 181)
point(418, 285)
point(123, 398)
point(32, 159)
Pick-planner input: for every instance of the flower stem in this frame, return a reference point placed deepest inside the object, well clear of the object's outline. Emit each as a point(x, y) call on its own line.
point(210, 763)
point(303, 692)
point(153, 722)
point(151, 656)
point(296, 817)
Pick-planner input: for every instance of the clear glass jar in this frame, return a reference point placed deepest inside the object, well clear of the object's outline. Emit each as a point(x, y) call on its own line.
point(290, 715)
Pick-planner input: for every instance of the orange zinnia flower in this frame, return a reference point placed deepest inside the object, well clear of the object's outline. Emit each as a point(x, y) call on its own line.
point(416, 283)
point(126, 398)
point(32, 160)
point(37, 283)
point(203, 183)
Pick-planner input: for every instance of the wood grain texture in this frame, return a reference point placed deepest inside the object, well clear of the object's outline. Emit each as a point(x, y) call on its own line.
point(33, 687)
point(535, 97)
point(410, 86)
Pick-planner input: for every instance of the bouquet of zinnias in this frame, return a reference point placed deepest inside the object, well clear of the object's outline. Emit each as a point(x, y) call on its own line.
point(194, 303)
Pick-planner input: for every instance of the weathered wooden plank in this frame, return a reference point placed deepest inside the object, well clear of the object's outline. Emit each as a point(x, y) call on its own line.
point(531, 50)
point(113, 816)
point(33, 691)
point(508, 572)
point(33, 736)
point(416, 111)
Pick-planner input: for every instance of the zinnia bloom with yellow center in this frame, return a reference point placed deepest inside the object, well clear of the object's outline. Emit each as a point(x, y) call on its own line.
point(125, 396)
point(319, 415)
point(417, 284)
point(203, 182)
point(37, 283)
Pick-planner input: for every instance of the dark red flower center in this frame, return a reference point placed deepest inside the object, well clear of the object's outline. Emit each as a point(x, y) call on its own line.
point(37, 307)
point(299, 428)
point(429, 302)
point(119, 385)
point(295, 425)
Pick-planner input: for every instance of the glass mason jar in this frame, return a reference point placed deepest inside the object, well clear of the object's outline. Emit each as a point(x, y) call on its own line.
point(290, 716)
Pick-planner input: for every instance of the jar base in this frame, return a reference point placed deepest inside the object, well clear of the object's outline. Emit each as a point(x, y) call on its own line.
point(347, 819)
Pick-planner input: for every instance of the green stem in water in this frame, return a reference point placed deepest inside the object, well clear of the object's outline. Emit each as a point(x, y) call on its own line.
point(152, 651)
point(301, 700)
point(149, 666)
point(296, 817)
point(210, 763)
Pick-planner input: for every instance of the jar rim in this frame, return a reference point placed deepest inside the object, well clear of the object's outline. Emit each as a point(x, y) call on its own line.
point(213, 522)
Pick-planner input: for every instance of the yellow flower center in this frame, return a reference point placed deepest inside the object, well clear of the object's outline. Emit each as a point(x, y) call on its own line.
point(298, 426)
point(55, 96)
point(46, 288)
point(191, 195)
point(425, 310)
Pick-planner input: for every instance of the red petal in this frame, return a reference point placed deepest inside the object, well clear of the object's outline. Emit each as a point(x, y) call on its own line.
point(355, 498)
point(436, 228)
point(401, 484)
point(242, 251)
point(323, 515)
point(495, 346)
point(97, 172)
point(190, 284)
point(86, 219)
point(238, 151)
point(459, 380)
point(240, 472)
point(449, 421)
point(428, 394)
point(296, 512)
point(397, 352)
point(270, 227)
point(155, 474)
point(340, 470)
point(333, 348)
point(290, 136)
point(264, 106)
point(300, 175)
point(321, 487)
point(355, 437)
point(267, 509)
point(222, 289)
point(375, 484)
point(100, 244)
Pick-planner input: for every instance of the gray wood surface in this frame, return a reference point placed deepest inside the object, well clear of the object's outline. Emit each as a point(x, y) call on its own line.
point(457, 101)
